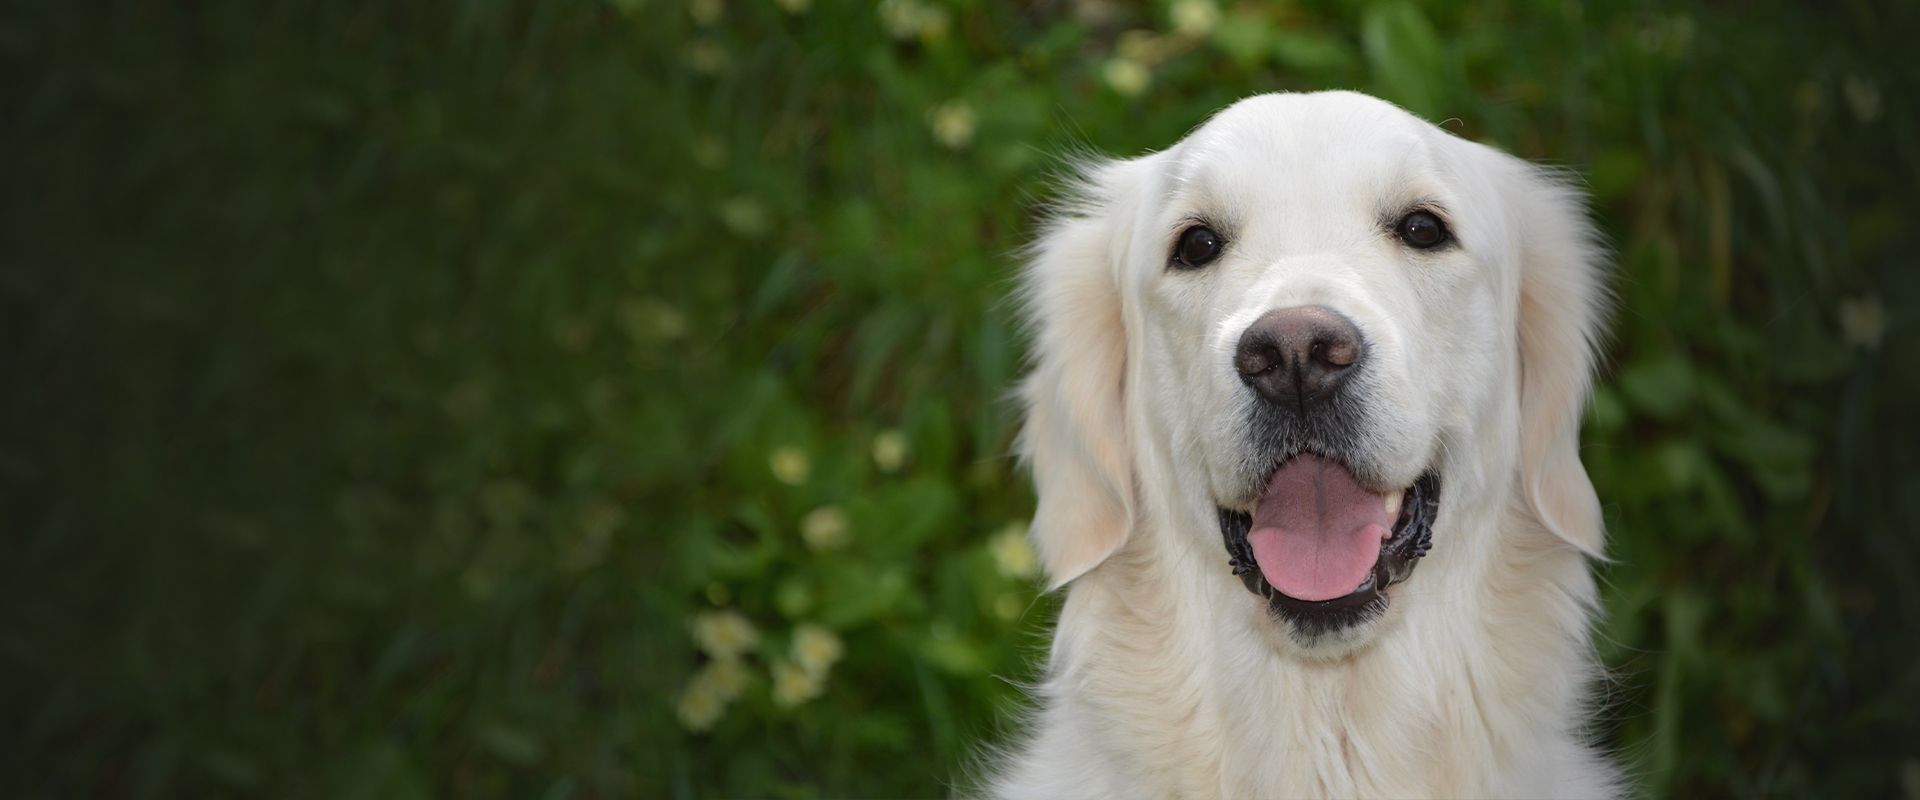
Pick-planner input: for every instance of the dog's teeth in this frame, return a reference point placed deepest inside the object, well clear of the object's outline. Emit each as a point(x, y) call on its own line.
point(1393, 501)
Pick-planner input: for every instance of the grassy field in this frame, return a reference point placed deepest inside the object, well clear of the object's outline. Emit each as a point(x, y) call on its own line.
point(608, 399)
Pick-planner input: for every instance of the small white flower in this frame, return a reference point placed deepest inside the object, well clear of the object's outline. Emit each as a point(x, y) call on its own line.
point(1863, 321)
point(1144, 46)
point(793, 685)
point(933, 22)
point(1013, 553)
point(890, 450)
point(900, 17)
point(906, 19)
point(745, 216)
point(824, 528)
point(705, 12)
point(699, 707)
point(1862, 97)
point(649, 319)
point(1126, 76)
point(816, 649)
point(1096, 13)
point(789, 465)
point(1195, 18)
point(707, 56)
point(724, 634)
point(668, 322)
point(724, 677)
point(953, 124)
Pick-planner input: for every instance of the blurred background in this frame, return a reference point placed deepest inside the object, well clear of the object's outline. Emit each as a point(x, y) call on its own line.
point(609, 399)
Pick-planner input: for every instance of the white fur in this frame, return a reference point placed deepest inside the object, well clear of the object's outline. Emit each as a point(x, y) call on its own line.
point(1167, 678)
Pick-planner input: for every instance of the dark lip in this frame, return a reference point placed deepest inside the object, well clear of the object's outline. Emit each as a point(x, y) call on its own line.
point(1411, 538)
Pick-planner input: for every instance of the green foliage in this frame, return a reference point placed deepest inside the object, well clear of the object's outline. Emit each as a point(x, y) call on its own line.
point(407, 398)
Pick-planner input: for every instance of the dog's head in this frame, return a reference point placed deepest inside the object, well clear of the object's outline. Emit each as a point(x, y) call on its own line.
point(1309, 331)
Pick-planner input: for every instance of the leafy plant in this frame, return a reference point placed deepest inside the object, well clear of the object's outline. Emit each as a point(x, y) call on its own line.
point(487, 399)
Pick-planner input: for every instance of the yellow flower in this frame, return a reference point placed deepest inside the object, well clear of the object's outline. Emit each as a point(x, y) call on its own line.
point(699, 707)
point(953, 124)
point(789, 465)
point(825, 528)
point(1195, 18)
point(1126, 76)
point(724, 634)
point(816, 649)
point(890, 450)
point(793, 684)
point(1013, 553)
point(1863, 321)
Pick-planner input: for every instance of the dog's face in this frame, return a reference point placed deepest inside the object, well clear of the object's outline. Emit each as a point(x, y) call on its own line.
point(1317, 320)
point(1315, 313)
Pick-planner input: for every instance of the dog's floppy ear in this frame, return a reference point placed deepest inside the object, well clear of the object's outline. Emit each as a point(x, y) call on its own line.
point(1563, 304)
point(1075, 439)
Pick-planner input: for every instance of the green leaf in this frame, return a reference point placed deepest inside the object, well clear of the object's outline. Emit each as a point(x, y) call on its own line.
point(1660, 386)
point(1614, 173)
point(1409, 64)
point(1313, 52)
point(953, 652)
point(1245, 38)
point(857, 593)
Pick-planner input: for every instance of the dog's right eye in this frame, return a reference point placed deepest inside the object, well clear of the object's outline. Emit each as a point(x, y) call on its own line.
point(1198, 246)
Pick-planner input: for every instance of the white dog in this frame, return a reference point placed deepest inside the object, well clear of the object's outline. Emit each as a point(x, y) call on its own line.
point(1317, 343)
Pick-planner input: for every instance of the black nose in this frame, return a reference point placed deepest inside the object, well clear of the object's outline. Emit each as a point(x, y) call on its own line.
point(1299, 357)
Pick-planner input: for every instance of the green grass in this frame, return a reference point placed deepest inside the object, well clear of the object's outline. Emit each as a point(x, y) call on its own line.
point(391, 385)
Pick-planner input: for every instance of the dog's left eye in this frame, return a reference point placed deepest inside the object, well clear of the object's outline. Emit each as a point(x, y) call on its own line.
point(1422, 230)
point(1198, 246)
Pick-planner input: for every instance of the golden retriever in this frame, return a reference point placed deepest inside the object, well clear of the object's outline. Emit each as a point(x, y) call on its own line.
point(1316, 344)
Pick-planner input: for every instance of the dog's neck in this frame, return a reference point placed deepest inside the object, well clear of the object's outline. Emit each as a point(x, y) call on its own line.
point(1173, 672)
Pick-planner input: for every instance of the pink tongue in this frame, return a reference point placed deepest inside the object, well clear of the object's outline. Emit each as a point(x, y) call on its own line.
point(1317, 532)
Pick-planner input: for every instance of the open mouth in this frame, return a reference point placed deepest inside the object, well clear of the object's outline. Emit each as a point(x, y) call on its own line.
point(1322, 549)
